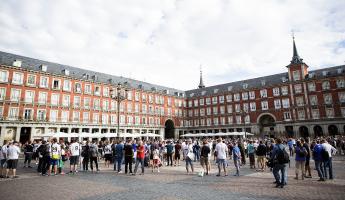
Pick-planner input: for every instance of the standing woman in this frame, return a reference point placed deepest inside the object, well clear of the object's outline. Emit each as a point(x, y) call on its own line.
point(189, 156)
point(204, 157)
point(300, 158)
point(107, 154)
point(251, 153)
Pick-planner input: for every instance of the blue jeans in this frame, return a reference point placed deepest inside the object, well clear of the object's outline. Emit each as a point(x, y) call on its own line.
point(280, 173)
point(328, 164)
point(189, 162)
point(319, 168)
point(237, 166)
point(119, 162)
point(141, 161)
point(197, 155)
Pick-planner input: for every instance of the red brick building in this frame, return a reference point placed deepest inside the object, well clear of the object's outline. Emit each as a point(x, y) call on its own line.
point(298, 103)
point(39, 98)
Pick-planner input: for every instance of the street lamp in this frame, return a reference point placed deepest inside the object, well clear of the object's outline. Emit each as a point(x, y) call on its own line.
point(119, 94)
point(244, 114)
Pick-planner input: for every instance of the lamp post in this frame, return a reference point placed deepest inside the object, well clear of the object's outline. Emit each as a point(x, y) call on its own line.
point(119, 94)
point(244, 113)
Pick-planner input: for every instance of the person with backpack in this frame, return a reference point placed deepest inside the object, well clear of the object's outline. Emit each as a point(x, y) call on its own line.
point(93, 155)
point(86, 156)
point(28, 152)
point(261, 153)
point(317, 156)
point(307, 159)
point(328, 159)
point(280, 159)
point(170, 151)
point(300, 158)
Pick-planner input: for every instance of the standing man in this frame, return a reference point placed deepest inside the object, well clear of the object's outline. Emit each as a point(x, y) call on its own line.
point(236, 154)
point(251, 153)
point(28, 153)
point(177, 153)
point(13, 152)
point(261, 153)
point(93, 155)
point(221, 150)
point(307, 161)
point(170, 151)
point(328, 162)
point(75, 153)
point(317, 156)
point(140, 158)
point(119, 155)
point(55, 156)
point(128, 151)
point(280, 168)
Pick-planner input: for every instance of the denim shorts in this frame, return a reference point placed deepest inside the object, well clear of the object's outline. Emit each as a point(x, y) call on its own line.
point(189, 161)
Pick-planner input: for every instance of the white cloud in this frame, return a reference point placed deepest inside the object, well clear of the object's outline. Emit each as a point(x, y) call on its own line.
point(165, 41)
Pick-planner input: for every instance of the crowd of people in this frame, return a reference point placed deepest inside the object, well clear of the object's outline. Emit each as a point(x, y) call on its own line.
point(263, 154)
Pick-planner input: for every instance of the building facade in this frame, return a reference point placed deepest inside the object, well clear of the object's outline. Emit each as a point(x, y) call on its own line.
point(39, 98)
point(299, 103)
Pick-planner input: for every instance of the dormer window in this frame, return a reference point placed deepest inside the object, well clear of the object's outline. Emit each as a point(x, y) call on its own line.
point(229, 88)
point(203, 92)
point(215, 91)
point(86, 76)
point(340, 70)
point(43, 68)
point(65, 72)
point(17, 63)
point(191, 95)
point(284, 79)
point(324, 73)
point(245, 86)
point(263, 82)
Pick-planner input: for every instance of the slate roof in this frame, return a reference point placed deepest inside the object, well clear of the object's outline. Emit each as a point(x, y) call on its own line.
point(78, 73)
point(271, 80)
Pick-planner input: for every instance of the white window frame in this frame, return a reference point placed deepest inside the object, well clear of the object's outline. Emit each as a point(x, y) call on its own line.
point(18, 78)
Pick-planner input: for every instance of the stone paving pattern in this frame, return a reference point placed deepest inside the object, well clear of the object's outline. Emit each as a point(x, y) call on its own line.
point(170, 184)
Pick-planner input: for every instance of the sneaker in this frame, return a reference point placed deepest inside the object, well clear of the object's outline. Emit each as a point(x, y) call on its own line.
point(120, 172)
point(218, 175)
point(29, 167)
point(15, 177)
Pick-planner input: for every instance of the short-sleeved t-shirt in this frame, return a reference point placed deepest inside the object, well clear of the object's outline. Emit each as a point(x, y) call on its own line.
point(75, 149)
point(107, 149)
point(221, 149)
point(55, 150)
point(141, 152)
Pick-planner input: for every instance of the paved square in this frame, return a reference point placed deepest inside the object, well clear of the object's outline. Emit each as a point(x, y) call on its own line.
point(170, 184)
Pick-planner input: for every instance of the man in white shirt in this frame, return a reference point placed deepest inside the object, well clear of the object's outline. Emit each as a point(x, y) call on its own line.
point(188, 150)
point(75, 153)
point(328, 163)
point(221, 150)
point(13, 152)
point(3, 153)
point(55, 150)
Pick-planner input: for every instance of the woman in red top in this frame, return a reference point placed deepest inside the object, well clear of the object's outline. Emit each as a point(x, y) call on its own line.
point(140, 158)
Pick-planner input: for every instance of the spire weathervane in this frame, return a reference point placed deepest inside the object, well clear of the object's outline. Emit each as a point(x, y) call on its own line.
point(201, 83)
point(295, 57)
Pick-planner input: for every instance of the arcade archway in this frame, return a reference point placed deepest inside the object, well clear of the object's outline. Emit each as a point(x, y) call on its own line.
point(333, 130)
point(318, 132)
point(303, 132)
point(169, 130)
point(266, 124)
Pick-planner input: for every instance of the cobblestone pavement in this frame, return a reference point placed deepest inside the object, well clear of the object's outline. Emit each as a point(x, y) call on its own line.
point(170, 184)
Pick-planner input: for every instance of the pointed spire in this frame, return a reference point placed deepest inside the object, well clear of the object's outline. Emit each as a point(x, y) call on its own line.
point(201, 83)
point(295, 58)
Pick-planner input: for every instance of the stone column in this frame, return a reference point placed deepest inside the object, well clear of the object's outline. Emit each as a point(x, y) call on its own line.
point(2, 135)
point(18, 128)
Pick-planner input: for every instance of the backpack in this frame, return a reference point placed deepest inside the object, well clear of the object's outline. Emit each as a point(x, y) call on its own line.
point(282, 156)
point(324, 154)
point(302, 152)
point(93, 151)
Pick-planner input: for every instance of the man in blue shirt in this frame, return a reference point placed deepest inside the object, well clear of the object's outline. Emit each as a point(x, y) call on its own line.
point(119, 155)
point(279, 169)
point(237, 158)
point(318, 161)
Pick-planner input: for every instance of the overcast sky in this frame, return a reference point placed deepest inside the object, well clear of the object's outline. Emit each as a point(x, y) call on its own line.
point(165, 41)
